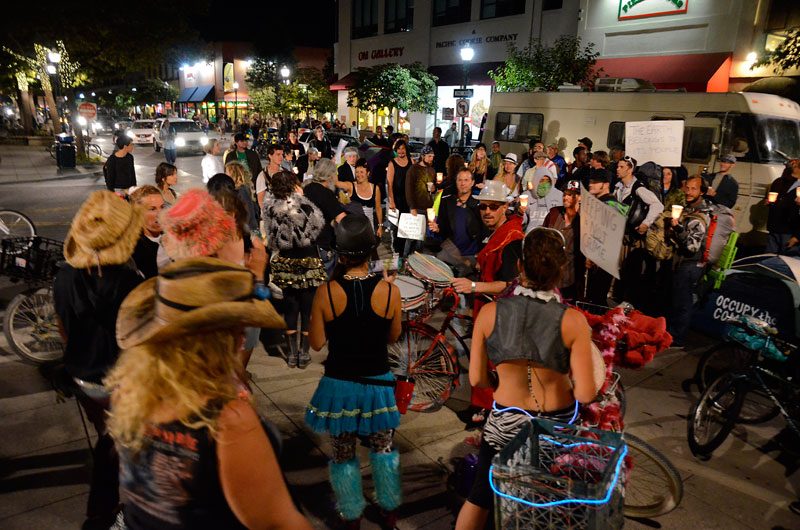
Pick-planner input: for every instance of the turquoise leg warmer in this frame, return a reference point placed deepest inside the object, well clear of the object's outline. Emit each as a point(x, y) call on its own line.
point(346, 484)
point(386, 475)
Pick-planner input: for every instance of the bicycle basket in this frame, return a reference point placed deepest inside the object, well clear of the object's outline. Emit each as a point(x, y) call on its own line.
point(556, 475)
point(31, 258)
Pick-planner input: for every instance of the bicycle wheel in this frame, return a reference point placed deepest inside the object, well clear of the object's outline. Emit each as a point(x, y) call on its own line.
point(654, 486)
point(731, 357)
point(15, 224)
point(52, 150)
point(714, 416)
point(419, 354)
point(31, 327)
point(95, 151)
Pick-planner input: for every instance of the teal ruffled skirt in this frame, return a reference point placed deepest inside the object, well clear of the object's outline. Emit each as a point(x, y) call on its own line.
point(345, 406)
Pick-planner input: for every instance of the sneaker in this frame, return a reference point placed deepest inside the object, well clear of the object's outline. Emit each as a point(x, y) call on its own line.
point(291, 359)
point(303, 359)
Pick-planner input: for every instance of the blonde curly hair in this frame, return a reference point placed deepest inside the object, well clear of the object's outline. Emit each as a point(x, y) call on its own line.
point(186, 373)
point(241, 176)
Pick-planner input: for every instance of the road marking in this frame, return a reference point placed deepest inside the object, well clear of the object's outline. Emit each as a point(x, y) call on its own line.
point(55, 209)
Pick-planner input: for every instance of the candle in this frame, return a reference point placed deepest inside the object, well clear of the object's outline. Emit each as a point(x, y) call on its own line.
point(772, 197)
point(296, 153)
point(530, 184)
point(296, 171)
point(466, 165)
point(797, 192)
point(523, 201)
point(676, 211)
point(431, 214)
point(439, 178)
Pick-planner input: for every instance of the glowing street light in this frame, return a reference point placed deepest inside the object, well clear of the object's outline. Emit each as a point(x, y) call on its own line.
point(51, 69)
point(54, 57)
point(235, 101)
point(467, 53)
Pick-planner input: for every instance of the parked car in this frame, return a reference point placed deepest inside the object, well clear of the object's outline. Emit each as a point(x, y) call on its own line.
point(123, 123)
point(189, 135)
point(142, 131)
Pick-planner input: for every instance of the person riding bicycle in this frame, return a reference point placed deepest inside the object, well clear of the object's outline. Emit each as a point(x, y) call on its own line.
point(357, 313)
point(543, 370)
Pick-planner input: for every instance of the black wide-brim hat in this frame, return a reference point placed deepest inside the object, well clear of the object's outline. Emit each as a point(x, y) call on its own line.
point(355, 236)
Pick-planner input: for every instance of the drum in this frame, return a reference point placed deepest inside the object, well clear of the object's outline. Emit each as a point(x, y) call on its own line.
point(430, 270)
point(412, 293)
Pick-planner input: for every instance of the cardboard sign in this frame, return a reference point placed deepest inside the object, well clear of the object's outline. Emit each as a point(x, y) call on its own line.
point(602, 229)
point(337, 158)
point(412, 226)
point(658, 141)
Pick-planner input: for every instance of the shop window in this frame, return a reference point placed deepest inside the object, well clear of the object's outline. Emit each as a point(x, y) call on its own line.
point(550, 5)
point(518, 127)
point(616, 135)
point(399, 16)
point(365, 18)
point(698, 144)
point(451, 12)
point(501, 8)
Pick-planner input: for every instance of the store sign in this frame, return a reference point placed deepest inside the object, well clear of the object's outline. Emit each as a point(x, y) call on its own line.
point(462, 93)
point(381, 53)
point(630, 9)
point(505, 37)
point(227, 77)
point(447, 113)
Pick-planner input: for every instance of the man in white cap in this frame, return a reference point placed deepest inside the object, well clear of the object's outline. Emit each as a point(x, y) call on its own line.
point(347, 171)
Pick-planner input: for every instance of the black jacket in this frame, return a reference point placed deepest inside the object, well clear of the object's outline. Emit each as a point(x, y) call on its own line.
point(323, 146)
point(252, 160)
point(119, 172)
point(727, 190)
point(345, 174)
point(447, 217)
point(441, 150)
point(784, 214)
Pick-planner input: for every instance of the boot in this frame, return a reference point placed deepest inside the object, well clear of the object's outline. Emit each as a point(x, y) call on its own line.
point(291, 358)
point(346, 485)
point(388, 492)
point(304, 357)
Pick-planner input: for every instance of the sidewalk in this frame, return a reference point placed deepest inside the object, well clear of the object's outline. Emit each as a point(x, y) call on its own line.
point(33, 163)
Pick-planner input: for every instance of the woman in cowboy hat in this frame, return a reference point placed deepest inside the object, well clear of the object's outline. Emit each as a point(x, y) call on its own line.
point(357, 314)
point(193, 452)
point(88, 292)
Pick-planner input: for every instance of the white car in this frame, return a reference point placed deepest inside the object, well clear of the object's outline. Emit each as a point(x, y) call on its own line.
point(189, 136)
point(142, 131)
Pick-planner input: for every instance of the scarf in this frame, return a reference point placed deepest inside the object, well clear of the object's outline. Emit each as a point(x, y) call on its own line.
point(541, 295)
point(490, 258)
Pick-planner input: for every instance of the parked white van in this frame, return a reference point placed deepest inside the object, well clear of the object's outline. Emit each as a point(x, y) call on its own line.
point(756, 128)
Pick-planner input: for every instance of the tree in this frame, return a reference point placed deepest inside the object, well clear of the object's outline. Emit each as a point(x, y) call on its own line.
point(393, 86)
point(264, 100)
point(567, 61)
point(784, 57)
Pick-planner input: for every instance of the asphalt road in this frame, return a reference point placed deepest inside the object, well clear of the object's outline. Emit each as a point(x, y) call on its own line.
point(53, 203)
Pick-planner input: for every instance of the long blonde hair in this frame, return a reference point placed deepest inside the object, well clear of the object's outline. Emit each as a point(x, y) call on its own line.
point(479, 168)
point(240, 175)
point(186, 372)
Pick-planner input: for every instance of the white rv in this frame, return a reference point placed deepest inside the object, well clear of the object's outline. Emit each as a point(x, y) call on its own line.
point(756, 128)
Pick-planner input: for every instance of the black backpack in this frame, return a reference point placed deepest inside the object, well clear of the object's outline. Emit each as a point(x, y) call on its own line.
point(637, 211)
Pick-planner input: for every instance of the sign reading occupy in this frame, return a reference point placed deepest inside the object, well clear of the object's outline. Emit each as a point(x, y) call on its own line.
point(602, 229)
point(658, 141)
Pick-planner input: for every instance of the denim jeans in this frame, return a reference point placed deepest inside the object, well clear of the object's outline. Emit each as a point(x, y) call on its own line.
point(684, 280)
point(171, 155)
point(328, 258)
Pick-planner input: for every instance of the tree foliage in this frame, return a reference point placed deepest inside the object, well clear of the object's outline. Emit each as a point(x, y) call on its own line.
point(784, 57)
point(538, 66)
point(307, 90)
point(393, 86)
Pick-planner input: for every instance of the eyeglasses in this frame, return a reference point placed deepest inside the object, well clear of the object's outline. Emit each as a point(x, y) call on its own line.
point(493, 207)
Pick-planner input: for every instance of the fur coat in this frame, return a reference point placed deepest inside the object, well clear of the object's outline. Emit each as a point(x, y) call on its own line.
point(290, 223)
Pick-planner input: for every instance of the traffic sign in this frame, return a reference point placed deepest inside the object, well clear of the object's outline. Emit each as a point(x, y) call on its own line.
point(462, 108)
point(447, 113)
point(462, 93)
point(88, 110)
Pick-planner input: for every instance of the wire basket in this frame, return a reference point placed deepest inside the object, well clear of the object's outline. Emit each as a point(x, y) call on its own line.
point(33, 259)
point(555, 475)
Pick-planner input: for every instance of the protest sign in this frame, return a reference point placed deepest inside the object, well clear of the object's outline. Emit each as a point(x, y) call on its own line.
point(658, 141)
point(412, 226)
point(337, 158)
point(602, 229)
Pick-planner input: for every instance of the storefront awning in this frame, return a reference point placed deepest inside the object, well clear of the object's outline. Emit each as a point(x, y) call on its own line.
point(690, 71)
point(186, 93)
point(345, 83)
point(201, 93)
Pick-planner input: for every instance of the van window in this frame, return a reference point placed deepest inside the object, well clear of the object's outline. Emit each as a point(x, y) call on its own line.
point(616, 135)
point(698, 144)
point(518, 127)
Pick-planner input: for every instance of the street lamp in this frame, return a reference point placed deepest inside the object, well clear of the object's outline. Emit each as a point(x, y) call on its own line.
point(54, 57)
point(285, 72)
point(51, 69)
point(467, 53)
point(235, 101)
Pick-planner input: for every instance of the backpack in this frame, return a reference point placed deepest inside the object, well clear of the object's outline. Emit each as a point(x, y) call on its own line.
point(721, 226)
point(656, 242)
point(649, 174)
point(638, 209)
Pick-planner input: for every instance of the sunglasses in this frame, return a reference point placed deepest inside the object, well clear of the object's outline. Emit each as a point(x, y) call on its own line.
point(492, 207)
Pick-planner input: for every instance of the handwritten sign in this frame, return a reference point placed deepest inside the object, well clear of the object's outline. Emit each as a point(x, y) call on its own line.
point(337, 157)
point(602, 228)
point(657, 141)
point(412, 226)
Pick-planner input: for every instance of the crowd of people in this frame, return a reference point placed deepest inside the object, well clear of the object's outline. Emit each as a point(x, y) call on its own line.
point(165, 295)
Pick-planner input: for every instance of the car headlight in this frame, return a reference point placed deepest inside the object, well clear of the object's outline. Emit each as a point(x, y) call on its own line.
point(130, 134)
point(81, 120)
point(203, 140)
point(180, 142)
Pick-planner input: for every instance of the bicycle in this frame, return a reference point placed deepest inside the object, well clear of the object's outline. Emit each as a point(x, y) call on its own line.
point(93, 150)
point(720, 406)
point(31, 324)
point(15, 224)
point(654, 486)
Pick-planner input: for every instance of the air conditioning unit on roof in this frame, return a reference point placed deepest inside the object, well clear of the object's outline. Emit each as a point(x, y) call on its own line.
point(622, 84)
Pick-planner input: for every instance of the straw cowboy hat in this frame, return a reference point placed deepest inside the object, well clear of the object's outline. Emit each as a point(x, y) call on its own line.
point(193, 296)
point(195, 226)
point(495, 191)
point(104, 231)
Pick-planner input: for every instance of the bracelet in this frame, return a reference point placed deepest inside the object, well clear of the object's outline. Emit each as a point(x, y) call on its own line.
point(473, 290)
point(261, 292)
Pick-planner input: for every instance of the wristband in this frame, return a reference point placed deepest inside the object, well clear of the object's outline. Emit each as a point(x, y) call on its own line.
point(473, 290)
point(261, 292)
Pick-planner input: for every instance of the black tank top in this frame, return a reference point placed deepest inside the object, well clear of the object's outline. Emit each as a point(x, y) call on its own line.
point(368, 202)
point(399, 186)
point(357, 336)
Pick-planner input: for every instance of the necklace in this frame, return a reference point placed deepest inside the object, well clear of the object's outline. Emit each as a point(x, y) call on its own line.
point(364, 277)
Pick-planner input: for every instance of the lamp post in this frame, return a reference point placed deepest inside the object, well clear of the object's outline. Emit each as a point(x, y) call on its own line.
point(52, 69)
point(467, 54)
point(235, 101)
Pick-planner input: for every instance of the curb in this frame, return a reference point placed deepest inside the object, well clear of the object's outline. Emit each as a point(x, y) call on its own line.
point(70, 176)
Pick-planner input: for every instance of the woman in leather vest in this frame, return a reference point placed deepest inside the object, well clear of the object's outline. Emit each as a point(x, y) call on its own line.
point(547, 380)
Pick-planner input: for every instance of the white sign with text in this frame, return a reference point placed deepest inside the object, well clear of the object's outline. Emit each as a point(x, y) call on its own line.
point(658, 141)
point(412, 226)
point(602, 229)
